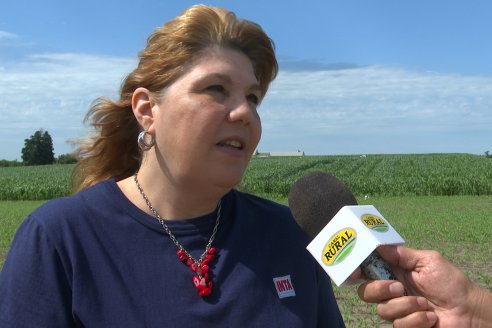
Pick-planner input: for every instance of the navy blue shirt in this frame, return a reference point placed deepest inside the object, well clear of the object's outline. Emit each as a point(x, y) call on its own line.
point(96, 260)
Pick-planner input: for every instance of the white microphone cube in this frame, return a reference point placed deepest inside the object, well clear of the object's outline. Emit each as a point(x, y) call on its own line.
point(348, 239)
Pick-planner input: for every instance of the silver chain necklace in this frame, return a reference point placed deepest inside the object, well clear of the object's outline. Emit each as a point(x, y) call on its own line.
point(202, 279)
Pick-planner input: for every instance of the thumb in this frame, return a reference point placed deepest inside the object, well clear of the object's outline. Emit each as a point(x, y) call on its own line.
point(390, 254)
point(409, 258)
point(403, 257)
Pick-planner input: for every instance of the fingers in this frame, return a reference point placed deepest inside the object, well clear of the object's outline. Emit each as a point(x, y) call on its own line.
point(377, 291)
point(408, 311)
point(404, 311)
point(418, 319)
point(402, 306)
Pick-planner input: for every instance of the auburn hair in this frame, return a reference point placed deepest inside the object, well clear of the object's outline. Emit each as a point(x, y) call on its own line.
point(111, 151)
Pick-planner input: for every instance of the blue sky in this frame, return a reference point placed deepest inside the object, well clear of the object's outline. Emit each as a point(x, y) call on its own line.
point(356, 77)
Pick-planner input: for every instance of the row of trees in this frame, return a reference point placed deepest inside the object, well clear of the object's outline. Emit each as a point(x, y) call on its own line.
point(38, 150)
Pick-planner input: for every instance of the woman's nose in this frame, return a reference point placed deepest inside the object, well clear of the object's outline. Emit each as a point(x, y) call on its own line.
point(243, 111)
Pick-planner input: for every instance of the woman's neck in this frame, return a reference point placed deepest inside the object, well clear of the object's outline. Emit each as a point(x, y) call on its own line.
point(171, 199)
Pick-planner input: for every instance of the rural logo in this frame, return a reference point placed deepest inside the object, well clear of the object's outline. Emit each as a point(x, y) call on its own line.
point(375, 222)
point(339, 246)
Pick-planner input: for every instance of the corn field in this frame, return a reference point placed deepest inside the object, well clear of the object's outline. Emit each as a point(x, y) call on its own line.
point(377, 175)
point(272, 177)
point(456, 226)
point(34, 182)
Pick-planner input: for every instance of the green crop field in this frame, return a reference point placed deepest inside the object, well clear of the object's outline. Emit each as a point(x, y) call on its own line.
point(383, 175)
point(439, 201)
point(373, 175)
point(34, 182)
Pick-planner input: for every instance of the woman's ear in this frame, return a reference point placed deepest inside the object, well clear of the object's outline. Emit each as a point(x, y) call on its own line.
point(142, 104)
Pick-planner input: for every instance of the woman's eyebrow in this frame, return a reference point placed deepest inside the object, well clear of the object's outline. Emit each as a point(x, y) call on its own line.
point(254, 87)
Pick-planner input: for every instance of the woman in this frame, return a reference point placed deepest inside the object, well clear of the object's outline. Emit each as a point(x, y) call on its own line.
point(156, 235)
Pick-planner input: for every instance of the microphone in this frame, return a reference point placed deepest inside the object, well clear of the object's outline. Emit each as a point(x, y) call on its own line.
point(314, 200)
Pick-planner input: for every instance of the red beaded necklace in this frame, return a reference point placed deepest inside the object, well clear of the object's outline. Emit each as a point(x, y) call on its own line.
point(202, 278)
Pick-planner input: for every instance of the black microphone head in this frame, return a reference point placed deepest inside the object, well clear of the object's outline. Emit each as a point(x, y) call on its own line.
point(315, 198)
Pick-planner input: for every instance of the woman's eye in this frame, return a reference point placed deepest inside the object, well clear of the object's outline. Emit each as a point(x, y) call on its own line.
point(216, 87)
point(253, 99)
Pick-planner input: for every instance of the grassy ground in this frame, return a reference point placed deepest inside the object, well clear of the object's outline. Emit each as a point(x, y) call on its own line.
point(460, 227)
point(11, 215)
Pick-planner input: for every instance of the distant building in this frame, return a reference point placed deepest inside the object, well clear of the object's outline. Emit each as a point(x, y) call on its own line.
point(279, 153)
point(261, 154)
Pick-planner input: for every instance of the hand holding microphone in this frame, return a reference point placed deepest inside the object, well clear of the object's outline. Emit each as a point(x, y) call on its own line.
point(345, 234)
point(442, 296)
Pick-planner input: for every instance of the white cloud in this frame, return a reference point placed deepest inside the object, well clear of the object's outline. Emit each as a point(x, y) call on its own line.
point(54, 91)
point(377, 109)
point(372, 109)
point(4, 35)
point(8, 39)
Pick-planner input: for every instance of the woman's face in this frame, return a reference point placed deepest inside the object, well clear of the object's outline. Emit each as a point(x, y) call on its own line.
point(206, 123)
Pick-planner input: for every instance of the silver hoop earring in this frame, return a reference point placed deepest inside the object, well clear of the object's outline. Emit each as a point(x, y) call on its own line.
point(144, 142)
